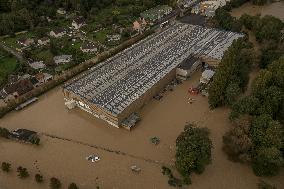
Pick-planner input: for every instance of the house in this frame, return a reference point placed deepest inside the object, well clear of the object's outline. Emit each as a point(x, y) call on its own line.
point(114, 37)
point(43, 77)
point(186, 3)
point(35, 82)
point(25, 42)
point(57, 33)
point(139, 25)
point(78, 22)
point(155, 14)
point(89, 47)
point(37, 65)
point(207, 76)
point(19, 88)
point(61, 11)
point(43, 41)
point(187, 67)
point(62, 59)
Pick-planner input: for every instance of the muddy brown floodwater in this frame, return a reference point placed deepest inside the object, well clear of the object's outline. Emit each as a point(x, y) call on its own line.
point(275, 9)
point(80, 134)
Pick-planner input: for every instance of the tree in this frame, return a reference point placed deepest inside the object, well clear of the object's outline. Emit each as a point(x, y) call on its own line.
point(73, 186)
point(55, 183)
point(193, 150)
point(6, 167)
point(22, 172)
point(232, 92)
point(267, 162)
point(266, 132)
point(236, 142)
point(38, 178)
point(233, 68)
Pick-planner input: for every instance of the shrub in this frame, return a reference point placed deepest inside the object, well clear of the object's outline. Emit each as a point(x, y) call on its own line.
point(4, 132)
point(264, 185)
point(35, 140)
point(22, 172)
point(38, 178)
point(6, 167)
point(73, 186)
point(55, 183)
point(166, 171)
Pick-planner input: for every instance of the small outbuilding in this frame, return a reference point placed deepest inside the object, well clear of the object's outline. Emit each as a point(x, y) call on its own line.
point(62, 59)
point(60, 32)
point(187, 67)
point(43, 41)
point(89, 47)
point(207, 76)
point(78, 22)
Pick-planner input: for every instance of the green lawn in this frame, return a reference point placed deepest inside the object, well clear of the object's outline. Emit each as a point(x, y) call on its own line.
point(8, 65)
point(12, 41)
point(44, 55)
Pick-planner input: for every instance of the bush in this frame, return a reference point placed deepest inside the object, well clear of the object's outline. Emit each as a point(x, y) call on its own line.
point(22, 172)
point(38, 178)
point(35, 140)
point(55, 183)
point(4, 132)
point(6, 167)
point(73, 186)
point(264, 185)
point(166, 171)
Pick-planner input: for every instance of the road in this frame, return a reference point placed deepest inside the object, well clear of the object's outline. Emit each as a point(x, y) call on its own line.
point(12, 51)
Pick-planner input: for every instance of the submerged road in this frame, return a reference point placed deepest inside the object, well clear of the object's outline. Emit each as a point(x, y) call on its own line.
point(118, 152)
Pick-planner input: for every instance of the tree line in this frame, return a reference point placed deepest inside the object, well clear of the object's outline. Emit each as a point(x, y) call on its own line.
point(257, 135)
point(19, 15)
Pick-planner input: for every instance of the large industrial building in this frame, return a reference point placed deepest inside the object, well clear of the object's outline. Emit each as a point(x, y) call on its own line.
point(115, 89)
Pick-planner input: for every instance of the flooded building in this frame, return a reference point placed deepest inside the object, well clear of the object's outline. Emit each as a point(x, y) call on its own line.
point(120, 86)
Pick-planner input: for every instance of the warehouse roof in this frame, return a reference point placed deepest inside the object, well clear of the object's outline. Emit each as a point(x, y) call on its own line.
point(114, 84)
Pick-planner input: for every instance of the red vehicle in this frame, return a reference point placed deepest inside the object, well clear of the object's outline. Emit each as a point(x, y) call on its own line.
point(193, 91)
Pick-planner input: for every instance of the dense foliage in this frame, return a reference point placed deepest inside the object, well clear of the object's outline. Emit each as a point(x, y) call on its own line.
point(261, 140)
point(21, 15)
point(232, 75)
point(193, 150)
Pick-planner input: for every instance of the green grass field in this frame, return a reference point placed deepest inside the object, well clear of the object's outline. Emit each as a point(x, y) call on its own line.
point(8, 65)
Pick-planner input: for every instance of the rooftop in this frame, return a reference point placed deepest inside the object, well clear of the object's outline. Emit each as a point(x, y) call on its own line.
point(114, 84)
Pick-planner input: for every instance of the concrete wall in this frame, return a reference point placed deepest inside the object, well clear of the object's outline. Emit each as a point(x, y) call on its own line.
point(133, 107)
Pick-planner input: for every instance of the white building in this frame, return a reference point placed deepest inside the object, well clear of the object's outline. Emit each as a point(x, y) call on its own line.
point(57, 33)
point(43, 41)
point(37, 65)
point(114, 37)
point(206, 76)
point(62, 59)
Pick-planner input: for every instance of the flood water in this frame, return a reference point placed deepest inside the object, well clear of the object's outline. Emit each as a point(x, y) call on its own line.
point(165, 119)
point(275, 9)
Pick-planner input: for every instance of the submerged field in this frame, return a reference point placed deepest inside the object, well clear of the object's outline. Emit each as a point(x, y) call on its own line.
point(79, 135)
